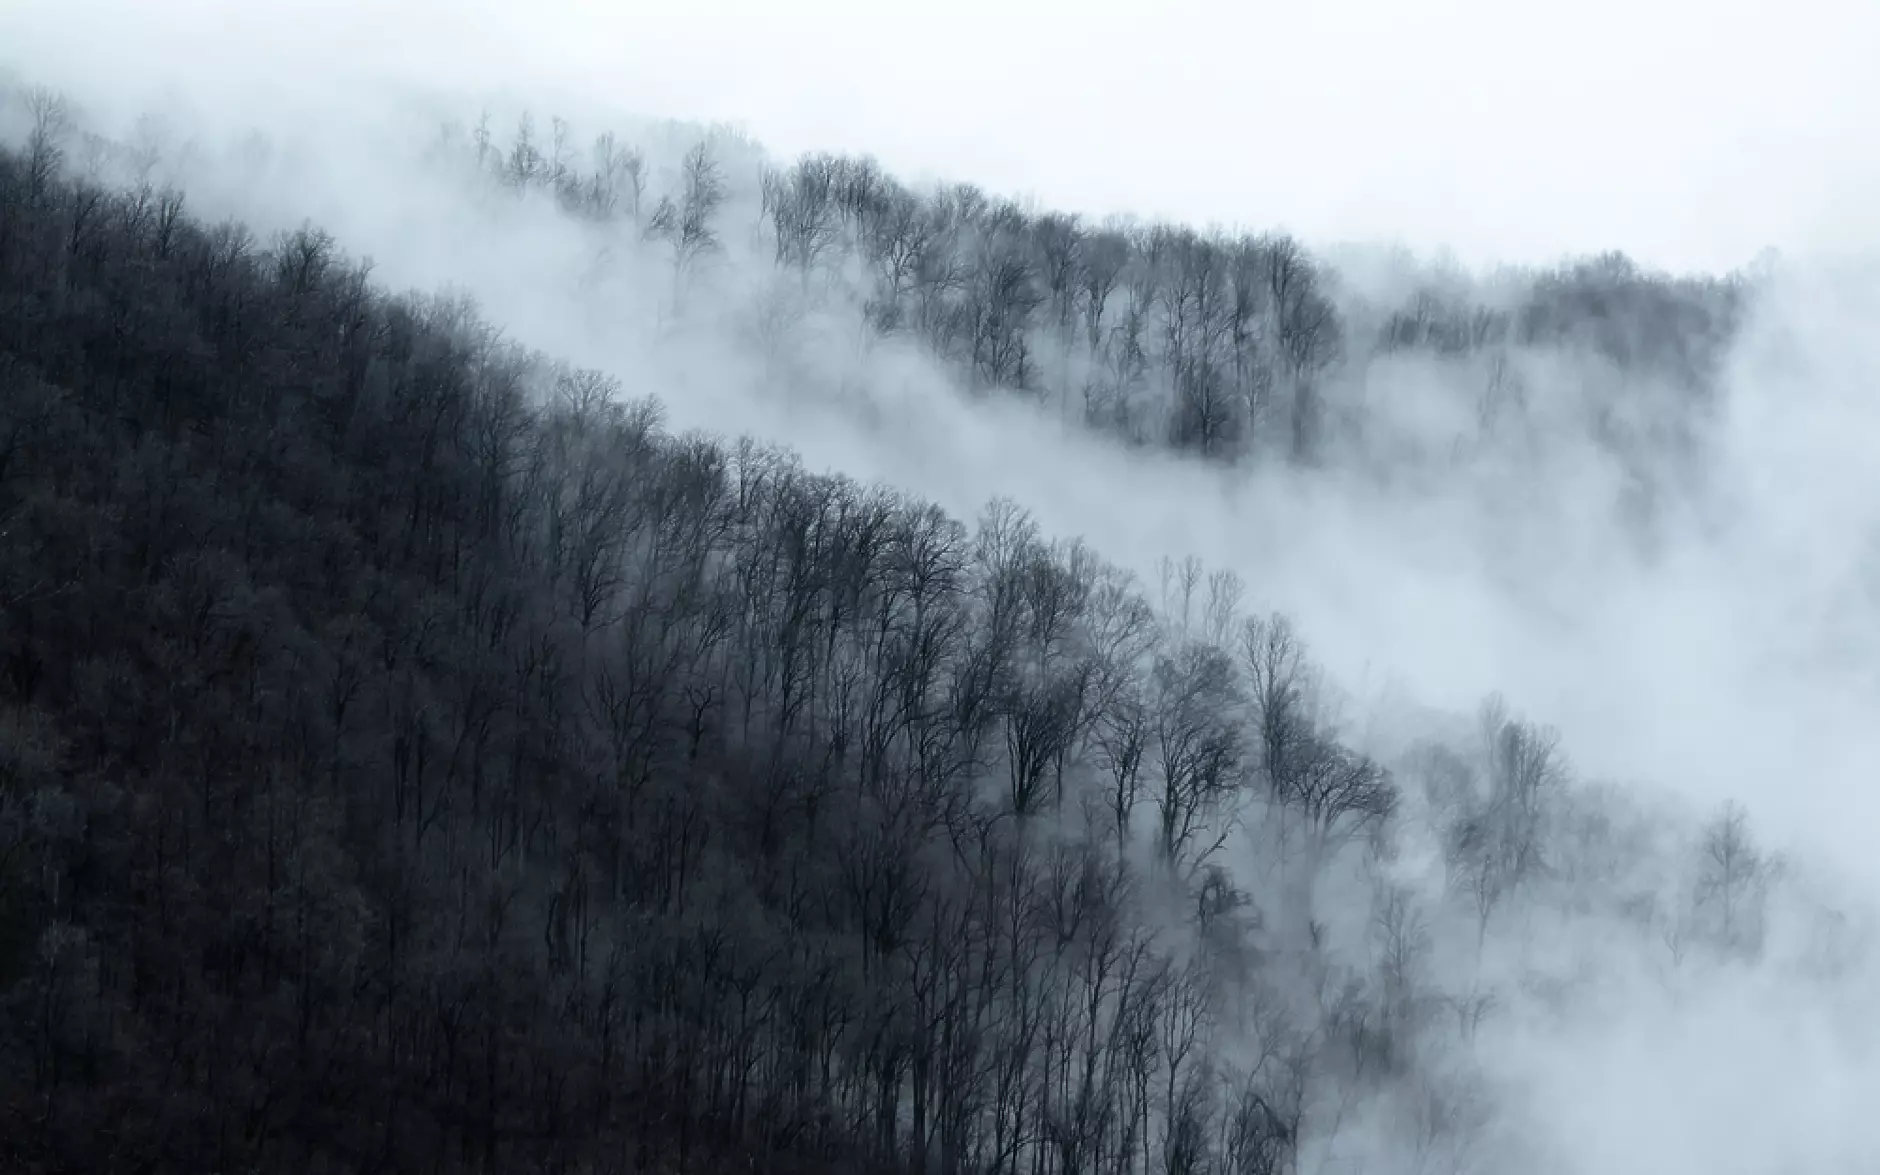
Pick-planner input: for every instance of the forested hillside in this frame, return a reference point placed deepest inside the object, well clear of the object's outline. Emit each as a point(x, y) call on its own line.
point(413, 757)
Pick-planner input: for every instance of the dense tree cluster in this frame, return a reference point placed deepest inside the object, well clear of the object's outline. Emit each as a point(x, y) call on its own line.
point(1213, 342)
point(413, 757)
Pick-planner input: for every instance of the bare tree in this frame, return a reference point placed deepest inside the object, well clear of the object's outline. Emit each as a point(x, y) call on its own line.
point(46, 141)
point(1497, 844)
point(1282, 686)
point(1733, 876)
point(525, 165)
point(1122, 739)
point(1197, 752)
point(630, 165)
point(1101, 263)
point(1306, 330)
point(1059, 241)
point(1225, 592)
point(801, 205)
point(1180, 581)
point(1338, 791)
point(685, 223)
point(1001, 295)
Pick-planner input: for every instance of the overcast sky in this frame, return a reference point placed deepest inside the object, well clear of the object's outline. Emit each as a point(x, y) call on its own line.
point(1690, 133)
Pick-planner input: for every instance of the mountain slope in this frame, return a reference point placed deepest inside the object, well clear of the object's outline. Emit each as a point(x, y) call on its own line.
point(415, 757)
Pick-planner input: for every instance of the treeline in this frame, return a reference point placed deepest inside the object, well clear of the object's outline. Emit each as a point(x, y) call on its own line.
point(414, 758)
point(1209, 341)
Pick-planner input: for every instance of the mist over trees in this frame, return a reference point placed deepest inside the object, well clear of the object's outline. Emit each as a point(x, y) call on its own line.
point(414, 756)
point(1216, 342)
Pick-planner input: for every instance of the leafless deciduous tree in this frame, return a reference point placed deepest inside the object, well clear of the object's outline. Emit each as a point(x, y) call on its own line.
point(684, 222)
point(1733, 877)
point(802, 206)
point(1497, 843)
point(1197, 749)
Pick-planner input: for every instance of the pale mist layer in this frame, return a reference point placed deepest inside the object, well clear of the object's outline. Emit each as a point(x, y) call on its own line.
point(1733, 656)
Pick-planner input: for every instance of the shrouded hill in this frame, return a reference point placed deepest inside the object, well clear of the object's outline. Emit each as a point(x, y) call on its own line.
point(414, 758)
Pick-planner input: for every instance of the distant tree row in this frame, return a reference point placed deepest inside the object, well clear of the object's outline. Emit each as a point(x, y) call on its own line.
point(1214, 342)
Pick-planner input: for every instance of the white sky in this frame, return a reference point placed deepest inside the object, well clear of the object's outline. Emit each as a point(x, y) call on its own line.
point(1688, 133)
